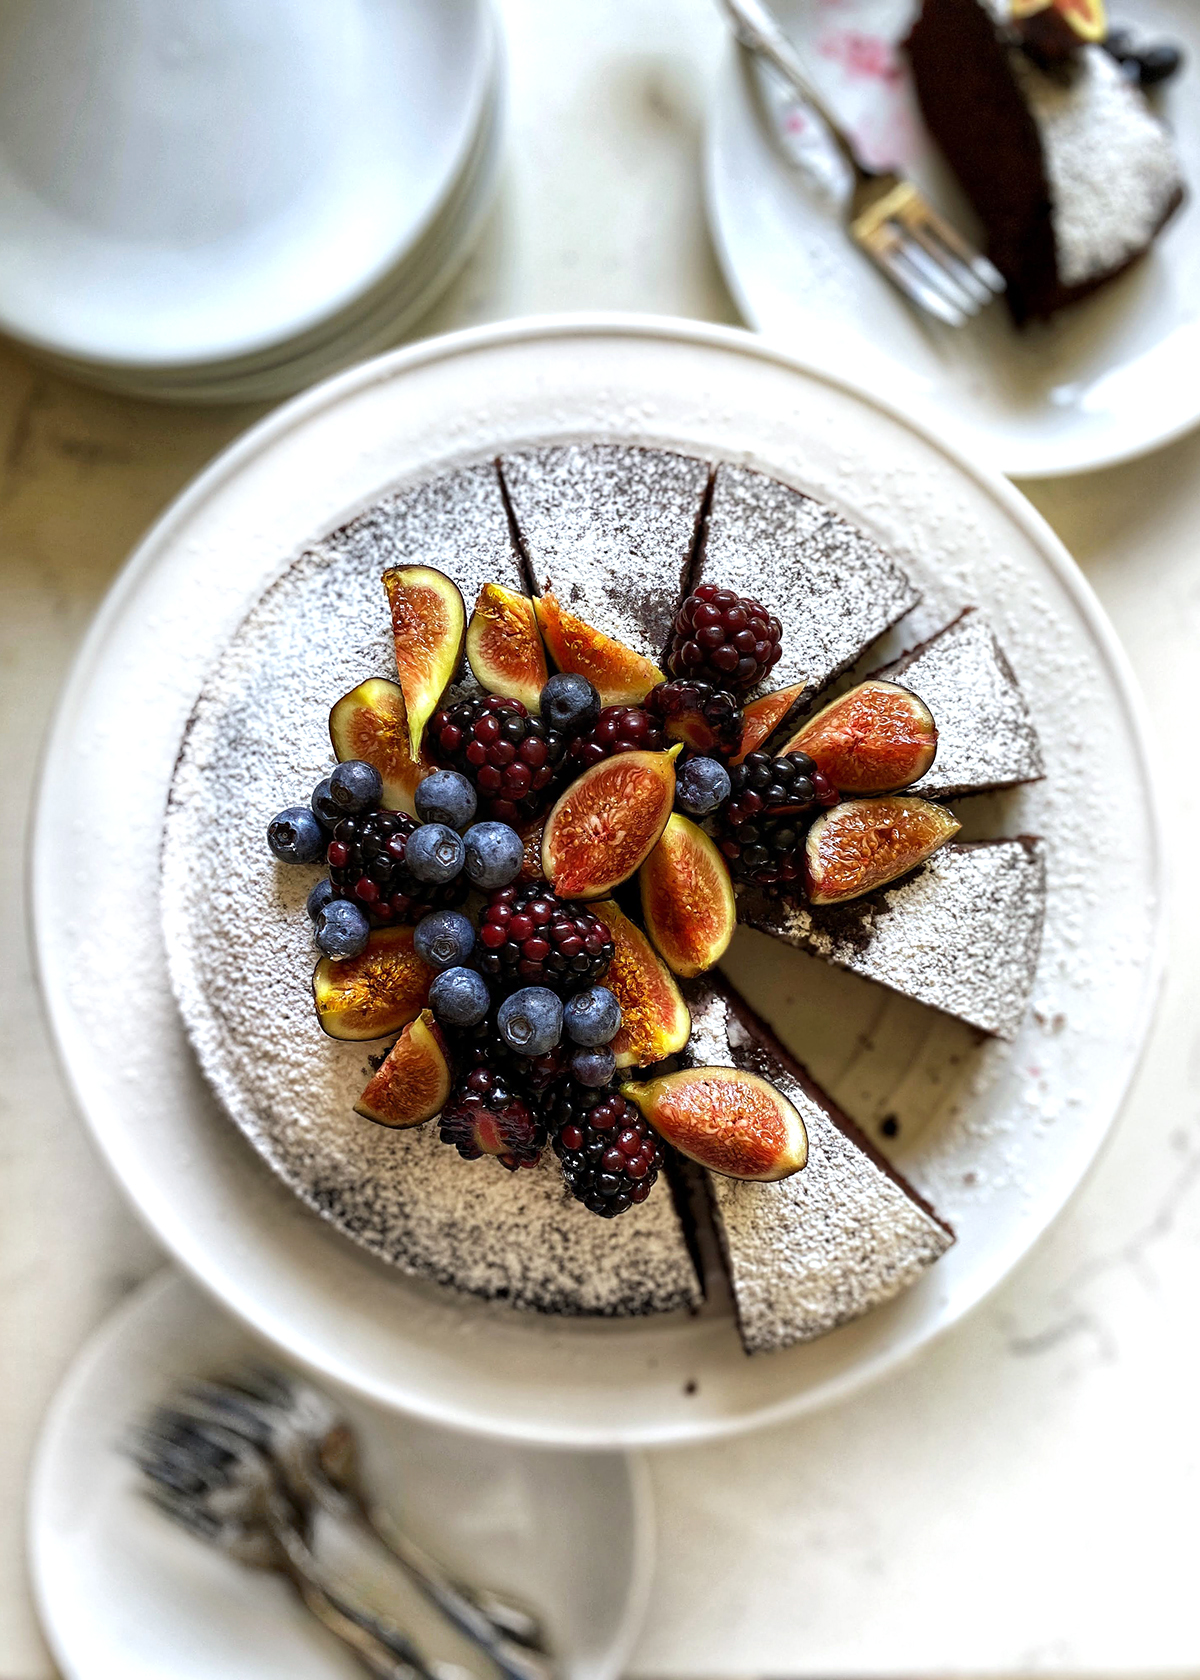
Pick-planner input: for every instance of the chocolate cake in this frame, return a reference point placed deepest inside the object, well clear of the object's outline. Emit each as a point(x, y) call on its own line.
point(610, 530)
point(1071, 171)
point(832, 588)
point(594, 521)
point(986, 738)
point(962, 934)
point(830, 1243)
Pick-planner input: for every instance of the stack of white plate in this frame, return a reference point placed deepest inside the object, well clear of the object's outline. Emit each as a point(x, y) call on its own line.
point(203, 201)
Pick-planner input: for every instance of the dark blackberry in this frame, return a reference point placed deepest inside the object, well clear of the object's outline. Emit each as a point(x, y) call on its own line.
point(531, 1075)
point(610, 1155)
point(618, 729)
point(706, 717)
point(366, 864)
point(486, 1116)
point(723, 638)
point(762, 829)
point(511, 759)
point(528, 936)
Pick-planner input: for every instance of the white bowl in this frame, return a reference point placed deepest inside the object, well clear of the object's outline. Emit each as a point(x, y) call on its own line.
point(1007, 1133)
point(184, 184)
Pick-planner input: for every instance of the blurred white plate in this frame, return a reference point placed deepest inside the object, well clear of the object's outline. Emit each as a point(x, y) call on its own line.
point(1110, 378)
point(124, 1595)
point(185, 183)
point(998, 1136)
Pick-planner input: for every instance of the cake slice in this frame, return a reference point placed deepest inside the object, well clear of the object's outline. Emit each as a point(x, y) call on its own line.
point(827, 1245)
point(962, 934)
point(832, 589)
point(1071, 172)
point(986, 738)
point(609, 529)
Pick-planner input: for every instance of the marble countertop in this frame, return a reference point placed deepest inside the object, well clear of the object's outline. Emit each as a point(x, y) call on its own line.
point(1019, 1499)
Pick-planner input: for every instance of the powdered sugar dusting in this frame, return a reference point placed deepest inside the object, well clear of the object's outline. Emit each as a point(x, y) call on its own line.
point(610, 530)
point(832, 589)
point(962, 934)
point(986, 737)
point(1109, 161)
point(824, 1246)
point(241, 955)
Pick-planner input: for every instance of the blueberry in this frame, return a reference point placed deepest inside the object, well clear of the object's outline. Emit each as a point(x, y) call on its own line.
point(355, 787)
point(323, 806)
point(319, 897)
point(459, 997)
point(495, 854)
point(1158, 63)
point(444, 938)
point(593, 1067)
point(1119, 42)
point(530, 1021)
point(592, 1017)
point(434, 854)
point(342, 929)
point(445, 797)
point(569, 703)
point(295, 836)
point(701, 786)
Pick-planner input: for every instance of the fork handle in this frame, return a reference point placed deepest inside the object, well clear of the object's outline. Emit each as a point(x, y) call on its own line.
point(757, 30)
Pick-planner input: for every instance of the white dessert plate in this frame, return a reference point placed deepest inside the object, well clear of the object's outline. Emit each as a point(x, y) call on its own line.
point(124, 1595)
point(1108, 379)
point(185, 184)
point(997, 1136)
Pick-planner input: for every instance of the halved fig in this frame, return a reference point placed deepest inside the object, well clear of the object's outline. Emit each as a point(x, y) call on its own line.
point(1087, 19)
point(376, 993)
point(414, 1081)
point(504, 648)
point(761, 718)
point(654, 1018)
point(608, 821)
point(531, 834)
point(371, 723)
point(873, 739)
point(622, 676)
point(865, 843)
point(732, 1122)
point(429, 624)
point(687, 899)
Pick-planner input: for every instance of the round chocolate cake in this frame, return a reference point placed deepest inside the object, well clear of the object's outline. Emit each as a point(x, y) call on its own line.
point(706, 614)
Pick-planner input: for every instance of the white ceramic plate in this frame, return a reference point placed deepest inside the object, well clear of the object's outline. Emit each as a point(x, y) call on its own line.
point(126, 1596)
point(1110, 378)
point(180, 184)
point(998, 1136)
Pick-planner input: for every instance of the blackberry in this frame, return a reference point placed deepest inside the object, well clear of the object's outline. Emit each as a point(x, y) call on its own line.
point(532, 1076)
point(762, 829)
point(723, 638)
point(512, 759)
point(706, 717)
point(618, 729)
point(610, 1155)
point(366, 864)
point(485, 1116)
point(528, 936)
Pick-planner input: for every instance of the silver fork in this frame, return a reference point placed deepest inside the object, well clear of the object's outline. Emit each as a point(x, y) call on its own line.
point(220, 1489)
point(887, 218)
point(314, 1450)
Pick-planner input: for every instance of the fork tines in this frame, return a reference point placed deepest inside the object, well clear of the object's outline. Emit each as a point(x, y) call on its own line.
point(923, 255)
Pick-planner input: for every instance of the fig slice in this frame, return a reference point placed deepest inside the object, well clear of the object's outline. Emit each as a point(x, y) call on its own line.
point(732, 1122)
point(655, 1021)
point(371, 723)
point(413, 1083)
point(875, 738)
point(687, 899)
point(865, 843)
point(607, 822)
point(762, 717)
point(531, 835)
point(1087, 18)
point(504, 648)
point(429, 624)
point(622, 677)
point(374, 994)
